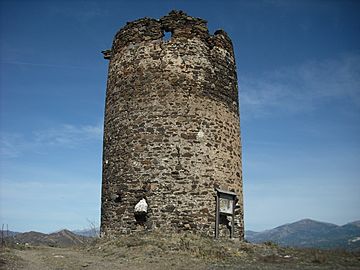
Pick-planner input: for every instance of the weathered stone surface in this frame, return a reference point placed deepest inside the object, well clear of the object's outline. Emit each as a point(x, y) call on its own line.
point(172, 130)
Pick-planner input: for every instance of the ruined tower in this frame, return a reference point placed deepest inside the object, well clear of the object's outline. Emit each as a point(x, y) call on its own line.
point(172, 133)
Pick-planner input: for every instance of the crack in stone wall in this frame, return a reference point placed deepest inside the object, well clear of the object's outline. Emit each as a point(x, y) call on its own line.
point(171, 132)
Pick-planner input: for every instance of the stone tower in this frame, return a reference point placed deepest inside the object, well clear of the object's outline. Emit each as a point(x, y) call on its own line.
point(172, 131)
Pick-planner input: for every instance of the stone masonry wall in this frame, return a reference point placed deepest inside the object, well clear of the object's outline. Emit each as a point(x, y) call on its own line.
point(172, 130)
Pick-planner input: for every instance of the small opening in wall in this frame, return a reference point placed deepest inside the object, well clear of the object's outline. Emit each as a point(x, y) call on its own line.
point(140, 217)
point(167, 35)
point(118, 199)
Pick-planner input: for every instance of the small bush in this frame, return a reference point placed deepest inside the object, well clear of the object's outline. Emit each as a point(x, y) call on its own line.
point(319, 258)
point(270, 258)
point(271, 244)
point(247, 248)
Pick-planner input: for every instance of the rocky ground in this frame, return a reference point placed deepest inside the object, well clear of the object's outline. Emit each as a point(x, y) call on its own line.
point(172, 251)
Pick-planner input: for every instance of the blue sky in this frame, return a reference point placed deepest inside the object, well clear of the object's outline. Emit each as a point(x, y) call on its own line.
point(299, 77)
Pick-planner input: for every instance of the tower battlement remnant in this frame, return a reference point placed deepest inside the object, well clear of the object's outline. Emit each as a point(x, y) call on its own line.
point(171, 133)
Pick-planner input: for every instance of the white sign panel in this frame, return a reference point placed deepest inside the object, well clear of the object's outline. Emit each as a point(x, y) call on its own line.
point(226, 206)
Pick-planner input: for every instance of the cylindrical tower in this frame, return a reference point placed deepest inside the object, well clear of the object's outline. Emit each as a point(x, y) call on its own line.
point(172, 132)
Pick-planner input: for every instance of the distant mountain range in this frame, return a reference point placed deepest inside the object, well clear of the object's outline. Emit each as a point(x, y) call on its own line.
point(304, 233)
point(63, 238)
point(7, 233)
point(311, 233)
point(88, 232)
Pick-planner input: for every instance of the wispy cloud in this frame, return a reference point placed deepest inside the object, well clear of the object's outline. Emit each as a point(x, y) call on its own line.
point(68, 135)
point(302, 87)
point(44, 65)
point(65, 136)
point(83, 11)
point(10, 145)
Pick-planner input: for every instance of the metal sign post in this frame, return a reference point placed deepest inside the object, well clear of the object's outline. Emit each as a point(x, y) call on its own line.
point(225, 205)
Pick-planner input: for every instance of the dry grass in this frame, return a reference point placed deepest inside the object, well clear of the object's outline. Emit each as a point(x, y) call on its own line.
point(319, 258)
point(158, 250)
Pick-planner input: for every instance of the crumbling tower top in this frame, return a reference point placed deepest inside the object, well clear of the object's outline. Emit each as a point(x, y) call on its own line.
point(178, 23)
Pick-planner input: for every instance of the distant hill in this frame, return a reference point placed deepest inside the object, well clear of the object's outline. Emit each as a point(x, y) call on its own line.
point(303, 233)
point(311, 233)
point(7, 233)
point(88, 232)
point(63, 238)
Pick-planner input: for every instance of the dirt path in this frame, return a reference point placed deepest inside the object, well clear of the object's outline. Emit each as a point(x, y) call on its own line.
point(62, 258)
point(32, 259)
point(49, 258)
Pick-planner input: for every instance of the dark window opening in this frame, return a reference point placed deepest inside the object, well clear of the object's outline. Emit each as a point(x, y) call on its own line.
point(118, 198)
point(140, 217)
point(225, 221)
